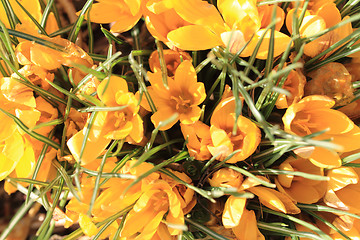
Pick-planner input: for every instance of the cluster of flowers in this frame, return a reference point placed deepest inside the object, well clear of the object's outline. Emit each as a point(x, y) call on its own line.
point(242, 164)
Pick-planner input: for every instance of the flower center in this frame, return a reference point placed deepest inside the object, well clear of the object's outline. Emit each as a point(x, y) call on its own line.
point(181, 105)
point(303, 124)
point(120, 118)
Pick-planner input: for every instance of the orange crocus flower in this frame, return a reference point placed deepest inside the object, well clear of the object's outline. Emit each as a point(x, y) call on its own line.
point(182, 96)
point(224, 142)
point(108, 125)
point(235, 215)
point(314, 114)
point(197, 25)
point(322, 16)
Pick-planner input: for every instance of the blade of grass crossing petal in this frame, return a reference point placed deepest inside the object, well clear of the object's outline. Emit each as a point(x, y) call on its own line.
point(354, 35)
point(205, 230)
point(90, 33)
point(350, 158)
point(35, 135)
point(294, 219)
point(46, 13)
point(154, 133)
point(269, 171)
point(6, 41)
point(11, 16)
point(327, 223)
point(249, 174)
point(77, 233)
point(38, 165)
point(163, 67)
point(258, 116)
point(66, 123)
point(270, 104)
point(321, 208)
point(122, 162)
point(66, 178)
point(282, 231)
point(74, 32)
point(98, 69)
point(238, 103)
point(336, 57)
point(351, 19)
point(200, 191)
point(270, 56)
point(61, 31)
point(86, 135)
point(38, 25)
point(35, 39)
point(257, 47)
point(148, 154)
point(98, 177)
point(43, 229)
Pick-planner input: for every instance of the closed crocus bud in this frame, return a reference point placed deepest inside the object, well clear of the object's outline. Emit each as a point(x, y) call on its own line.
point(332, 80)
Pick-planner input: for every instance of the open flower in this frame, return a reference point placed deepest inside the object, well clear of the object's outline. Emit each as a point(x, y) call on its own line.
point(147, 214)
point(181, 98)
point(314, 114)
point(322, 16)
point(224, 141)
point(116, 124)
point(197, 25)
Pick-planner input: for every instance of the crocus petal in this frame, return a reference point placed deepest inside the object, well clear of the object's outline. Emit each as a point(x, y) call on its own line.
point(330, 13)
point(194, 38)
point(162, 115)
point(297, 191)
point(191, 116)
point(325, 158)
point(281, 41)
point(240, 14)
point(341, 177)
point(108, 88)
point(7, 127)
point(137, 131)
point(92, 148)
point(247, 228)
point(200, 13)
point(87, 226)
point(349, 141)
point(275, 200)
point(233, 210)
point(26, 163)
